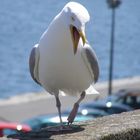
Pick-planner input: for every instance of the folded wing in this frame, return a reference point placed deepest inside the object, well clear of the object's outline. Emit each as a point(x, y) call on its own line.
point(33, 63)
point(91, 61)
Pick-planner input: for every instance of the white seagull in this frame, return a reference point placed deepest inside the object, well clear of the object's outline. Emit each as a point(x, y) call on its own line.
point(63, 60)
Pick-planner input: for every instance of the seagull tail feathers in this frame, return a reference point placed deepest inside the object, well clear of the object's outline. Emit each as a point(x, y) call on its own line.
point(92, 90)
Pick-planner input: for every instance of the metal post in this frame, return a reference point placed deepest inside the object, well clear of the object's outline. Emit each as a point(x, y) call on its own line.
point(111, 52)
point(112, 4)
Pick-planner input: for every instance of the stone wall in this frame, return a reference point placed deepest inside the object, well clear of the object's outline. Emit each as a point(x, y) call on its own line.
point(124, 126)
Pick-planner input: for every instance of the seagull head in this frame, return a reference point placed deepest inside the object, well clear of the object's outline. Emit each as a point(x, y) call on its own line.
point(76, 17)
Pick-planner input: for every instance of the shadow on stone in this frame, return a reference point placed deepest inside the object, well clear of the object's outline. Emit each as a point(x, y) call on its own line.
point(45, 133)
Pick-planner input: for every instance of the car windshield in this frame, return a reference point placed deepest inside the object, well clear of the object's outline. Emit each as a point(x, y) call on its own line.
point(112, 98)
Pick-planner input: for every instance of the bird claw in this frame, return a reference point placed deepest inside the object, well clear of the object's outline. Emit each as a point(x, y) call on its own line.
point(66, 128)
point(61, 128)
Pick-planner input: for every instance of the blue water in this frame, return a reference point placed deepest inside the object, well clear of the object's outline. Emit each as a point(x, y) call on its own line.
point(23, 21)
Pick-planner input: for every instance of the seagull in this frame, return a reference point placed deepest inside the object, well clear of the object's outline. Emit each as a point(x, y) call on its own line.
point(63, 60)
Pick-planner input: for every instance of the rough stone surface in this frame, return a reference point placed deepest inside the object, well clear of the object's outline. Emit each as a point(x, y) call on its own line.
point(124, 126)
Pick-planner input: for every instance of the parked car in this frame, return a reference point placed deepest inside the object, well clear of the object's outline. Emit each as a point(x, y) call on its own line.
point(7, 128)
point(130, 97)
point(43, 121)
point(107, 106)
point(93, 112)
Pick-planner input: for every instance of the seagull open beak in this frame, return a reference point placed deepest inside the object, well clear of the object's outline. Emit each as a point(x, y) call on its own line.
point(76, 34)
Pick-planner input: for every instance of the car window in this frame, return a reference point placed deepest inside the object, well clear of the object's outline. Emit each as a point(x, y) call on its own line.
point(137, 105)
point(138, 99)
point(121, 100)
point(132, 101)
point(127, 100)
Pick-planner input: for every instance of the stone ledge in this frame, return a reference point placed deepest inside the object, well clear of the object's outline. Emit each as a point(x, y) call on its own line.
point(124, 126)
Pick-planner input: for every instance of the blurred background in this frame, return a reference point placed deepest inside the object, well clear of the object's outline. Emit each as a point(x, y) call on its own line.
point(22, 22)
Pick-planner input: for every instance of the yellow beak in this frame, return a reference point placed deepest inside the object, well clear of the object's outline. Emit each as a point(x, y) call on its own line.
point(76, 34)
point(83, 37)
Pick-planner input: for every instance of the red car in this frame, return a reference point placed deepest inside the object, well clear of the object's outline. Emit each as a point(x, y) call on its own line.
point(10, 127)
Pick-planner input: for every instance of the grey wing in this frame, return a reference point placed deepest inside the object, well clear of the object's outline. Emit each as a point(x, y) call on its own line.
point(92, 61)
point(33, 63)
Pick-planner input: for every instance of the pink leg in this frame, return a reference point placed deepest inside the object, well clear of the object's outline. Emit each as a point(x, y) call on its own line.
point(61, 127)
point(58, 105)
point(74, 111)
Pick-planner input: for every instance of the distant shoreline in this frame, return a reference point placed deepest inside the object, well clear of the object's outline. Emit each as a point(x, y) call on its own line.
point(23, 107)
point(34, 96)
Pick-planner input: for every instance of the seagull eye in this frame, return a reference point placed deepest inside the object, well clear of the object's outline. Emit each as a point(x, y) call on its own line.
point(72, 18)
